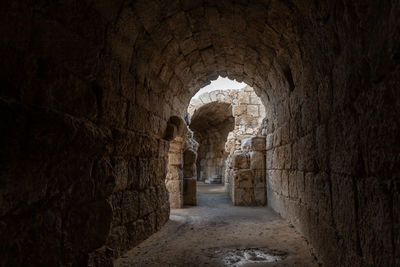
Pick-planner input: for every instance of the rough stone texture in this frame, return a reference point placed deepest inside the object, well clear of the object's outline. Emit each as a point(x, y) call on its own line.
point(248, 112)
point(211, 119)
point(246, 172)
point(247, 124)
point(211, 124)
point(189, 191)
point(182, 157)
point(88, 87)
point(174, 178)
point(189, 176)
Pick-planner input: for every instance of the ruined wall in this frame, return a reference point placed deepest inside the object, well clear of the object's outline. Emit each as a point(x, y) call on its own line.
point(89, 86)
point(247, 172)
point(249, 113)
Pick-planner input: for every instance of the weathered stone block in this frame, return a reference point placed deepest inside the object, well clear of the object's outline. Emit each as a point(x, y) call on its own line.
point(252, 110)
point(174, 173)
point(274, 180)
point(254, 99)
point(137, 119)
point(147, 201)
point(189, 171)
point(175, 146)
point(125, 143)
point(293, 177)
point(213, 95)
point(240, 160)
point(244, 98)
point(238, 110)
point(268, 159)
point(175, 189)
point(243, 197)
point(118, 239)
point(269, 141)
point(285, 183)
point(243, 178)
point(259, 196)
point(175, 159)
point(129, 206)
point(189, 156)
point(259, 178)
point(258, 143)
point(189, 192)
point(257, 160)
point(344, 208)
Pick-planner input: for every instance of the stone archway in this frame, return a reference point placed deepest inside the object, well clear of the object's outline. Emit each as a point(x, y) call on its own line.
point(211, 124)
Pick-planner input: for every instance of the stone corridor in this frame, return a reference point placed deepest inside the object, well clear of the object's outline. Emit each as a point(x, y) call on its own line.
point(93, 100)
point(216, 233)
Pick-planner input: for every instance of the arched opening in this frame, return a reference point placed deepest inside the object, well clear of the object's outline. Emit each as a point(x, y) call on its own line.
point(211, 124)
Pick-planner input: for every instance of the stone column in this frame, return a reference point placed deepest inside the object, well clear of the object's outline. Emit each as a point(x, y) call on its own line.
point(189, 177)
point(174, 179)
point(242, 180)
point(249, 173)
point(258, 166)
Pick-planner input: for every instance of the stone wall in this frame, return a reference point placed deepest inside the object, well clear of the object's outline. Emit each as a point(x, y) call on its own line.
point(248, 112)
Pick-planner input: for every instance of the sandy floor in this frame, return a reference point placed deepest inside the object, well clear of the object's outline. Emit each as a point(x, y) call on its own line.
point(215, 233)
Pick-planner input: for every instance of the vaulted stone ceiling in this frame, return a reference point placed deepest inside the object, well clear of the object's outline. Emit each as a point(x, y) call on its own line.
point(213, 117)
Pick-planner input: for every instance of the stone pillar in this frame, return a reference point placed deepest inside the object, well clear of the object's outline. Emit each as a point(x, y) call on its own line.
point(258, 166)
point(189, 177)
point(174, 179)
point(249, 173)
point(242, 180)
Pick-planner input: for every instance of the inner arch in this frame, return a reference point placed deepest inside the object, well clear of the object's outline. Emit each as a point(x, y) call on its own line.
point(211, 124)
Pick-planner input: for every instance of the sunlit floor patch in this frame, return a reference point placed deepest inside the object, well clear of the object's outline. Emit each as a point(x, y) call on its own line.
point(244, 256)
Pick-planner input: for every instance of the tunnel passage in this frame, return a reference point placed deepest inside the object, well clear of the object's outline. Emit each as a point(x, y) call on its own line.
point(89, 86)
point(211, 124)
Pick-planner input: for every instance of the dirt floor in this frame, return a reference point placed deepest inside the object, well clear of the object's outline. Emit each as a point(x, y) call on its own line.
point(216, 233)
